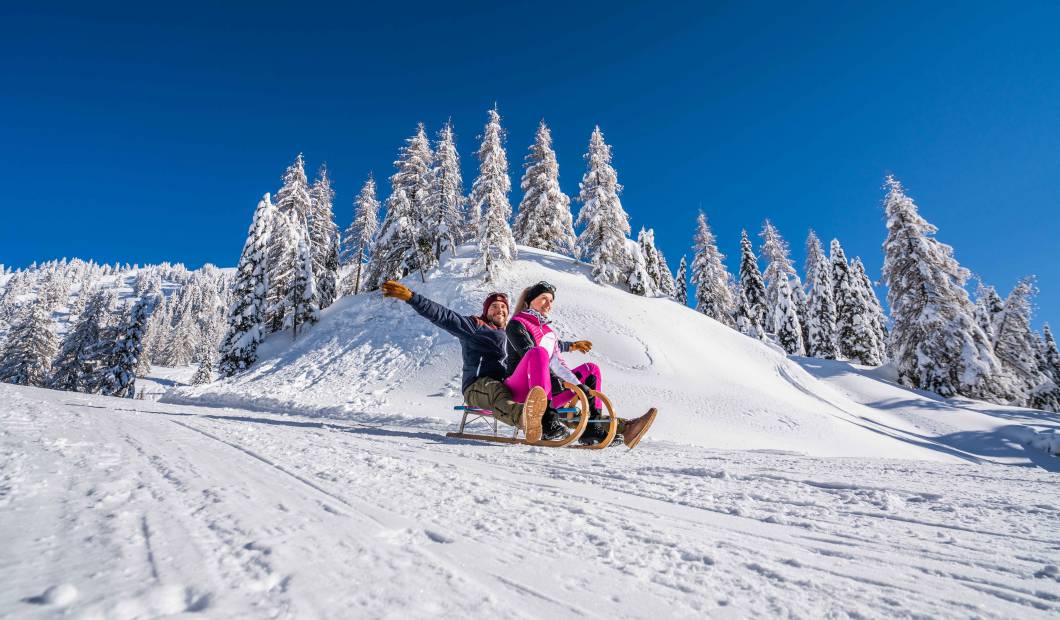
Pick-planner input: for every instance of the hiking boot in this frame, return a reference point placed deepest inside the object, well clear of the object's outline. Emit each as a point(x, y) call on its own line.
point(551, 428)
point(635, 430)
point(595, 432)
point(533, 409)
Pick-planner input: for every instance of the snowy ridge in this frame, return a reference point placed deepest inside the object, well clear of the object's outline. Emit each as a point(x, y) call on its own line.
point(374, 360)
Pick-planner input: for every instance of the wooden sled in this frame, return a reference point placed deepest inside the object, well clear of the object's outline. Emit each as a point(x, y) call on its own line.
point(575, 419)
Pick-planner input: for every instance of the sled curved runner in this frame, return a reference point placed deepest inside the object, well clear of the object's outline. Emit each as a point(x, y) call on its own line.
point(579, 428)
point(612, 428)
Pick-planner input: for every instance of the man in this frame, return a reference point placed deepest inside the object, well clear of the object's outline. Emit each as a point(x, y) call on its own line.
point(484, 347)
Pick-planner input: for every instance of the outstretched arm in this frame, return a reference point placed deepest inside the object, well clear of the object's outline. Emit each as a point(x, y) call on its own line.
point(459, 326)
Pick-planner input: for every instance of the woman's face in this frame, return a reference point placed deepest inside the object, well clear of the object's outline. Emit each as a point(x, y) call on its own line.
point(542, 303)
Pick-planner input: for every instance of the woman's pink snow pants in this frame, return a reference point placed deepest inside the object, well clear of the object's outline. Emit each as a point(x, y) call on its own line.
point(533, 371)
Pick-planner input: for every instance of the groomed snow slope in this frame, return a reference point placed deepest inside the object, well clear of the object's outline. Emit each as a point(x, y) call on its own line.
point(122, 509)
point(372, 359)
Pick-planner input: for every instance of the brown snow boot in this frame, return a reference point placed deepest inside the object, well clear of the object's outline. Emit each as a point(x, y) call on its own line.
point(635, 430)
point(533, 409)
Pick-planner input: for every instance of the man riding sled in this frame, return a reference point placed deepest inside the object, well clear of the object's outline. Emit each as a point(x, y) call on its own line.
point(516, 388)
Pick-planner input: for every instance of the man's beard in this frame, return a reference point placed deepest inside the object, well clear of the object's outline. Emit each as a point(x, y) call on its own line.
point(498, 322)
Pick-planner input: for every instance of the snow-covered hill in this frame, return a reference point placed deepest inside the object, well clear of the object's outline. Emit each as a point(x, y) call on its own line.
point(374, 360)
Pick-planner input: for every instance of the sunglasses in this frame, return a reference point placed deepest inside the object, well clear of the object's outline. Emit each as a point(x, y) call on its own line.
point(501, 296)
point(551, 289)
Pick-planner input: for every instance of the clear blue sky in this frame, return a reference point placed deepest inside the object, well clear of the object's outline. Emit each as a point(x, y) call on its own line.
point(142, 134)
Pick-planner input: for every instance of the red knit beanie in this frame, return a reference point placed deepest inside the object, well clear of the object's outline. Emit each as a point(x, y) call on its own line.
point(492, 298)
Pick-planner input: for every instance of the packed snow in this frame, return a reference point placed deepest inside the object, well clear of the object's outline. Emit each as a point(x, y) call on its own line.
point(321, 484)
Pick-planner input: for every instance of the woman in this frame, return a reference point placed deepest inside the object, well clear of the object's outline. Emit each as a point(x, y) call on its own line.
point(534, 360)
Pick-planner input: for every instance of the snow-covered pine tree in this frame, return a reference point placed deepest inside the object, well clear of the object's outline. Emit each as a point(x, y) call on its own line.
point(712, 281)
point(246, 316)
point(204, 374)
point(414, 176)
point(293, 197)
point(1051, 355)
point(301, 297)
point(30, 347)
point(782, 302)
point(666, 285)
point(638, 280)
point(544, 219)
point(988, 306)
point(820, 307)
point(324, 239)
point(1046, 395)
point(752, 297)
point(744, 318)
point(877, 319)
point(489, 197)
point(73, 369)
point(646, 241)
point(934, 340)
point(1016, 347)
point(447, 200)
point(360, 235)
point(293, 204)
point(605, 223)
point(403, 245)
point(284, 234)
point(856, 334)
point(120, 379)
point(681, 285)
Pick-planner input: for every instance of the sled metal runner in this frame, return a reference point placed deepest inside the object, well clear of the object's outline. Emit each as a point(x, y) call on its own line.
point(577, 418)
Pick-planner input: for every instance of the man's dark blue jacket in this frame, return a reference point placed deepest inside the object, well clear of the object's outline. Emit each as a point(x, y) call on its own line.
point(484, 347)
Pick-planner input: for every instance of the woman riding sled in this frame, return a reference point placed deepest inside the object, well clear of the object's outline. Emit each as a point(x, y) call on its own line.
point(534, 360)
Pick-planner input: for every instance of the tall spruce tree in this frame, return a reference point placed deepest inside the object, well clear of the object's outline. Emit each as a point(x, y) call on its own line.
point(655, 263)
point(1051, 355)
point(934, 340)
point(302, 296)
point(544, 219)
point(446, 199)
point(681, 286)
point(605, 224)
point(856, 337)
point(1016, 347)
point(72, 370)
point(744, 318)
point(324, 239)
point(783, 307)
point(360, 235)
point(30, 347)
point(820, 307)
point(877, 319)
point(120, 378)
point(489, 197)
point(752, 296)
point(712, 281)
point(404, 245)
point(293, 204)
point(988, 307)
point(638, 279)
point(246, 316)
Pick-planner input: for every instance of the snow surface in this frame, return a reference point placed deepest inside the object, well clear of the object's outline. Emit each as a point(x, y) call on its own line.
point(320, 484)
point(116, 508)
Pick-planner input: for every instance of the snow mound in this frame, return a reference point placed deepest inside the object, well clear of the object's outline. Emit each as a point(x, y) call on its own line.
point(375, 360)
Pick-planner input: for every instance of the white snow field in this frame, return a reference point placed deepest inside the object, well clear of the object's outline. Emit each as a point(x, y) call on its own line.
point(320, 484)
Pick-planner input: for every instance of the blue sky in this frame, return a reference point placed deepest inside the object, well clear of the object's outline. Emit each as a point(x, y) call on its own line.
point(147, 134)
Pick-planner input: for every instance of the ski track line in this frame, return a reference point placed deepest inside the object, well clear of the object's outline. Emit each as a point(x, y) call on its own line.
point(861, 580)
point(480, 579)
